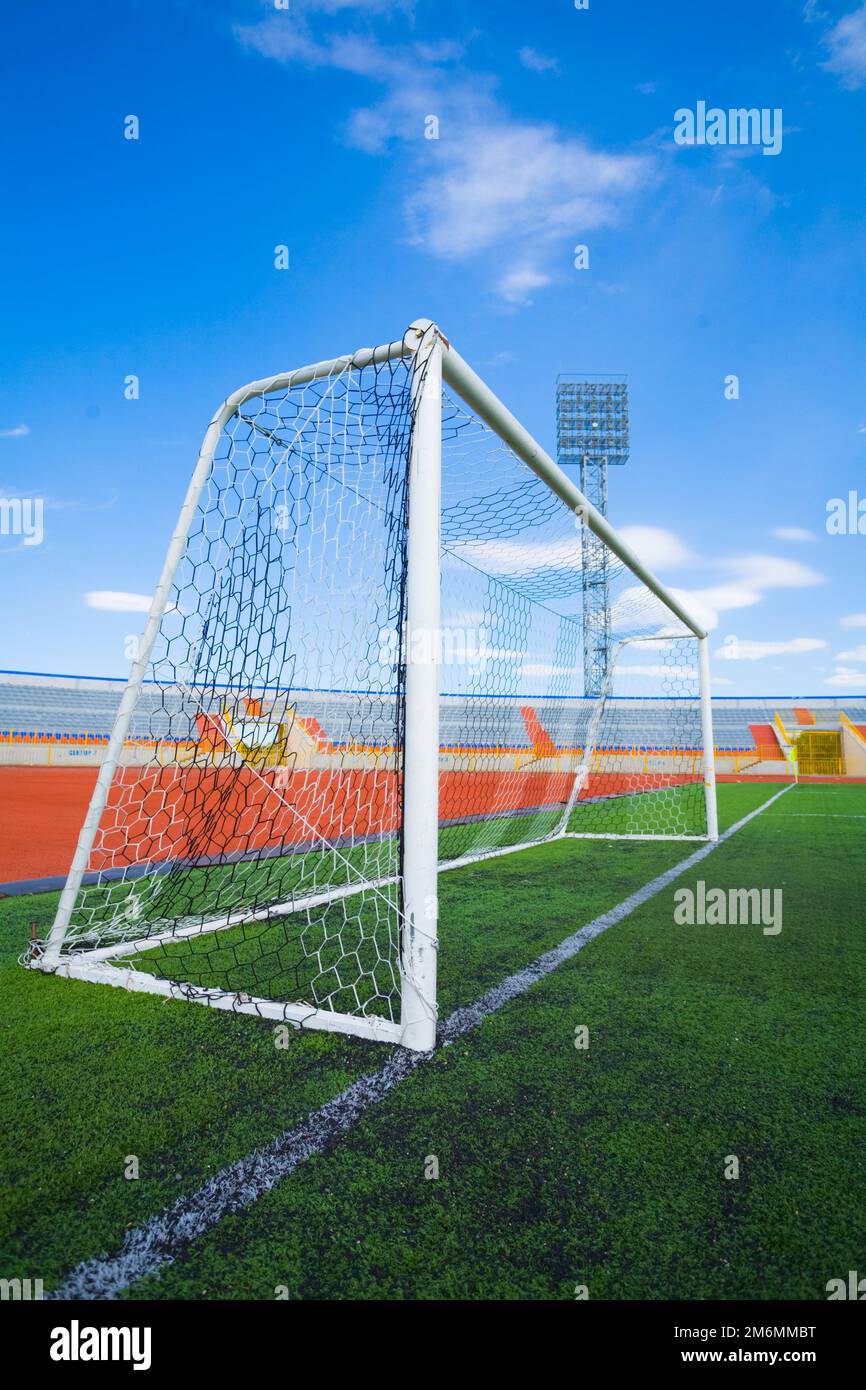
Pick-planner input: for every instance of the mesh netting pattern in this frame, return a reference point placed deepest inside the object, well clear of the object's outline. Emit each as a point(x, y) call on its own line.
point(225, 854)
point(525, 754)
point(250, 845)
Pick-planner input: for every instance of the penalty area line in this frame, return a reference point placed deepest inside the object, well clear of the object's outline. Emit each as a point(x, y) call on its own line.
point(159, 1241)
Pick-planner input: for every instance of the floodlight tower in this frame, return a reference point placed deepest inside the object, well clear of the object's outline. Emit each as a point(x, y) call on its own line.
point(592, 432)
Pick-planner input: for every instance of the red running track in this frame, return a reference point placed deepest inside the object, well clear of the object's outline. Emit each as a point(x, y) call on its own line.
point(174, 812)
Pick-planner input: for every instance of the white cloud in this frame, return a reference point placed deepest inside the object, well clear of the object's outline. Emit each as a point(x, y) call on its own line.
point(659, 673)
point(115, 601)
point(724, 597)
point(16, 432)
point(855, 654)
point(793, 533)
point(464, 618)
point(658, 548)
point(535, 669)
point(503, 183)
point(761, 572)
point(853, 620)
point(845, 677)
point(517, 284)
point(492, 184)
point(524, 558)
point(348, 52)
point(537, 62)
point(637, 607)
point(846, 42)
point(752, 575)
point(744, 650)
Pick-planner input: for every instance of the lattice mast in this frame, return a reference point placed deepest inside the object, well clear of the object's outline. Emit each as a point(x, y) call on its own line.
point(592, 433)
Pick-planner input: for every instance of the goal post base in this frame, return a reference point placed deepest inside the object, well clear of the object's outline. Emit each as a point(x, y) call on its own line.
point(613, 835)
point(297, 1016)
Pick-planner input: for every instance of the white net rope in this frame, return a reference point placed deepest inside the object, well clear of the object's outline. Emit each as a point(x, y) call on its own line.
point(525, 754)
point(251, 841)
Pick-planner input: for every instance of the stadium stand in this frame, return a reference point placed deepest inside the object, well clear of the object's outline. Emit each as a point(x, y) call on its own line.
point(78, 711)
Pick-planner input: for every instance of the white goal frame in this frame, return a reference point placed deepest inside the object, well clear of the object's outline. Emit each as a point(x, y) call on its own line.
point(434, 359)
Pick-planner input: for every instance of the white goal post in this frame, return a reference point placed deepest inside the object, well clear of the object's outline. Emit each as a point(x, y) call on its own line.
point(360, 667)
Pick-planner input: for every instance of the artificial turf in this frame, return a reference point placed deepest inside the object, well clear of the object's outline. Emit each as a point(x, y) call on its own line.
point(343, 956)
point(557, 1166)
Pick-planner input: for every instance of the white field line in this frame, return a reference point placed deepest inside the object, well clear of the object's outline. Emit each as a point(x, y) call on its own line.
point(163, 1237)
point(815, 815)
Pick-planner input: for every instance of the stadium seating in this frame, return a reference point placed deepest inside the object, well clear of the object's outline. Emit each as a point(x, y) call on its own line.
point(77, 709)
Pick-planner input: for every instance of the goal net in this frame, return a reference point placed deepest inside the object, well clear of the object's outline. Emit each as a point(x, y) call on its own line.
point(363, 666)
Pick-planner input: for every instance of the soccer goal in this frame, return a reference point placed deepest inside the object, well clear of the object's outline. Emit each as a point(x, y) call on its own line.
point(362, 667)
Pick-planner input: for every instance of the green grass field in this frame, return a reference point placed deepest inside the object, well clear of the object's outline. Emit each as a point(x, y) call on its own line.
point(557, 1166)
point(342, 957)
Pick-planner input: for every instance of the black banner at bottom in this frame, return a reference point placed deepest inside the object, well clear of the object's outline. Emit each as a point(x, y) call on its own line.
point(231, 1337)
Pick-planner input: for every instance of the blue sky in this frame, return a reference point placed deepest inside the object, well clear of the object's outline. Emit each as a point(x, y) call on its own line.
point(261, 126)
